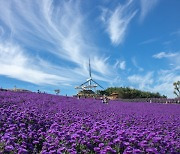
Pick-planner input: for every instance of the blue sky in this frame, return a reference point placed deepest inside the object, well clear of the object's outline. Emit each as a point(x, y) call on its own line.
point(46, 44)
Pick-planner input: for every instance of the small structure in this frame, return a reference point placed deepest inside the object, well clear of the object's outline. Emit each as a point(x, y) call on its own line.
point(86, 93)
point(15, 89)
point(113, 96)
point(86, 88)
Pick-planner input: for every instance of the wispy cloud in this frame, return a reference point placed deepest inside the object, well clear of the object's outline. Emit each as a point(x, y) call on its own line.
point(136, 64)
point(116, 21)
point(59, 30)
point(161, 81)
point(143, 81)
point(116, 81)
point(165, 80)
point(120, 65)
point(146, 7)
point(165, 55)
point(176, 32)
point(173, 58)
point(167, 43)
point(148, 41)
point(15, 64)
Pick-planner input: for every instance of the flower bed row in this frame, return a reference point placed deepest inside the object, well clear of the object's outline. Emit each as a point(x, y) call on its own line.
point(42, 123)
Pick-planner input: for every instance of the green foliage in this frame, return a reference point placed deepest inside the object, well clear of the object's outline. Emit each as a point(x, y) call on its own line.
point(102, 92)
point(129, 93)
point(177, 88)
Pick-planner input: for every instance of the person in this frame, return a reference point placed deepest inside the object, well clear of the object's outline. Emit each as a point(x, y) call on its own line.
point(102, 100)
point(105, 100)
point(78, 96)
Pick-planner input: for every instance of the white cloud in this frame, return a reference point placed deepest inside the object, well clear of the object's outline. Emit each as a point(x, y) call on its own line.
point(136, 64)
point(165, 55)
point(161, 82)
point(143, 81)
point(172, 58)
point(15, 64)
point(117, 81)
point(117, 21)
point(98, 63)
point(120, 64)
point(146, 7)
point(43, 28)
point(169, 75)
point(165, 80)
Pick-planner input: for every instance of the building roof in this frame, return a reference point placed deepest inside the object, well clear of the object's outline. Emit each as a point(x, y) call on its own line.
point(114, 93)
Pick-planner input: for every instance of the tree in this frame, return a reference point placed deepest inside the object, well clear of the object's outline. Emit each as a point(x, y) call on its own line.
point(177, 88)
point(57, 91)
point(129, 93)
point(101, 92)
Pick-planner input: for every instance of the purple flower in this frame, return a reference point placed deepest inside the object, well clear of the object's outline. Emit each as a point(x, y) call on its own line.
point(22, 151)
point(61, 149)
point(9, 148)
point(156, 139)
point(97, 149)
point(137, 151)
point(126, 143)
point(151, 150)
point(52, 151)
point(45, 123)
point(35, 142)
point(101, 145)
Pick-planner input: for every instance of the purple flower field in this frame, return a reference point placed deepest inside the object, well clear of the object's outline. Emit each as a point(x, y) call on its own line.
point(42, 123)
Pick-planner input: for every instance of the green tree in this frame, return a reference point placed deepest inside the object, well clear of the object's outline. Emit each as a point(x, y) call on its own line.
point(129, 93)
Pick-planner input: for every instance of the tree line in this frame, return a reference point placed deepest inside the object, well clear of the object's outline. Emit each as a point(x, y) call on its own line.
point(129, 93)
